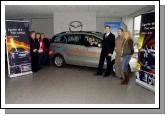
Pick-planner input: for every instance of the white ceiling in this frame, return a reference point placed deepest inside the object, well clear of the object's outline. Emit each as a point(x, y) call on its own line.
point(13, 11)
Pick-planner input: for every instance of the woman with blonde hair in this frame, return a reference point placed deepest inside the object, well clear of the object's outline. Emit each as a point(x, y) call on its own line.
point(127, 52)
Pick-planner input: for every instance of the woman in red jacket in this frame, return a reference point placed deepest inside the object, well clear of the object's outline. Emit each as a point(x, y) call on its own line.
point(41, 51)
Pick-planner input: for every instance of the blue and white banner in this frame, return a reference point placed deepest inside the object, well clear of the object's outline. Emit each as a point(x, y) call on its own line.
point(115, 25)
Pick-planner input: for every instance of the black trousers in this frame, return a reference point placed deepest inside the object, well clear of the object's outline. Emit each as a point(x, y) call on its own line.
point(35, 61)
point(47, 57)
point(104, 56)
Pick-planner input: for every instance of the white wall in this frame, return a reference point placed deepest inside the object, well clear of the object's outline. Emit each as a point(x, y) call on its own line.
point(59, 21)
point(62, 19)
point(44, 25)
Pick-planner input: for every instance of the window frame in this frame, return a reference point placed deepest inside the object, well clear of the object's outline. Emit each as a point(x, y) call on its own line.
point(94, 36)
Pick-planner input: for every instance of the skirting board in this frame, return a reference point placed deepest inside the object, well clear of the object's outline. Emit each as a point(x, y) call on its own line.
point(147, 86)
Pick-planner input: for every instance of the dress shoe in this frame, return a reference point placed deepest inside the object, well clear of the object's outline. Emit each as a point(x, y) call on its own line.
point(113, 73)
point(124, 82)
point(98, 74)
point(121, 78)
point(126, 79)
point(106, 74)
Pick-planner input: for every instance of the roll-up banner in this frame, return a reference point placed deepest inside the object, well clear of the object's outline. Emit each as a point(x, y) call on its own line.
point(18, 48)
point(146, 56)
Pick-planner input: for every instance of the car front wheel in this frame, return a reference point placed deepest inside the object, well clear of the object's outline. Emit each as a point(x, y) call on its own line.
point(59, 61)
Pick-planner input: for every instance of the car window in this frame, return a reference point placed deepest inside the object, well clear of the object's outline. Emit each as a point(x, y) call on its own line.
point(53, 39)
point(95, 40)
point(62, 39)
point(74, 39)
point(59, 39)
point(98, 40)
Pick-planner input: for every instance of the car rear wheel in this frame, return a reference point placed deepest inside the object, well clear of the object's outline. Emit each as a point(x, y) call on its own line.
point(59, 61)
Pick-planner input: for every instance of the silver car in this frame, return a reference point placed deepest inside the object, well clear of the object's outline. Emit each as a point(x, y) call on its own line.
point(71, 48)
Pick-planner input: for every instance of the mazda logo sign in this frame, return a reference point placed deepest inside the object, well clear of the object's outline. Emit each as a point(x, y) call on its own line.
point(75, 26)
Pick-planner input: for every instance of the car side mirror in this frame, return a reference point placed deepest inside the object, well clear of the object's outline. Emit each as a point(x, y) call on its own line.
point(99, 45)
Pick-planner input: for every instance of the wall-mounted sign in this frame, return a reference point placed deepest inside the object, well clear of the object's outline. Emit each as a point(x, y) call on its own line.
point(75, 26)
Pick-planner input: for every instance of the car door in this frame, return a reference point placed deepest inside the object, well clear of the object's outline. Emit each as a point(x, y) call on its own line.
point(75, 49)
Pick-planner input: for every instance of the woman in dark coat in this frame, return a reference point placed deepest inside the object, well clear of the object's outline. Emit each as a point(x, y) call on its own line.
point(34, 46)
point(47, 45)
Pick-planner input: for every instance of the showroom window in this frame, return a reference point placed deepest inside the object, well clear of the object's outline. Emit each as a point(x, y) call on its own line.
point(137, 22)
point(136, 32)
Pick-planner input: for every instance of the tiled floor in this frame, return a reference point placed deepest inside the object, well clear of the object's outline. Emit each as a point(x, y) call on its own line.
point(74, 85)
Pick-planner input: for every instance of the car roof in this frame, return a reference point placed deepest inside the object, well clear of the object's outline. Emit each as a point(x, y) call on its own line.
point(95, 33)
point(80, 32)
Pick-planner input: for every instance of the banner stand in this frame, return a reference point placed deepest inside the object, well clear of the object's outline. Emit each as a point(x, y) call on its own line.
point(143, 84)
point(20, 75)
point(18, 48)
point(145, 76)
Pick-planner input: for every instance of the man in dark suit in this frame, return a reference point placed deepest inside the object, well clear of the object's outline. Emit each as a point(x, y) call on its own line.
point(108, 45)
